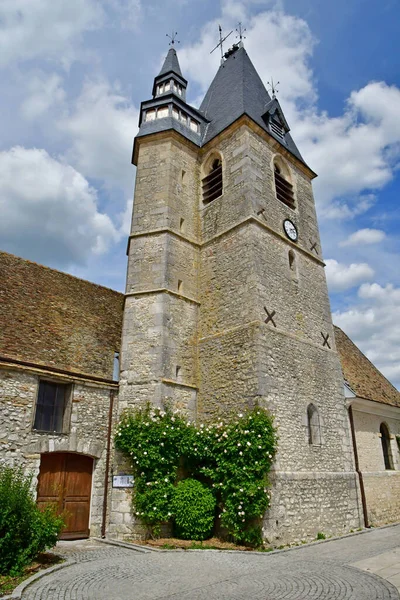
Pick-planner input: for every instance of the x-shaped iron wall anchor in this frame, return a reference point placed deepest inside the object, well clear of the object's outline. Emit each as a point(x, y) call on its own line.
point(326, 338)
point(314, 246)
point(270, 316)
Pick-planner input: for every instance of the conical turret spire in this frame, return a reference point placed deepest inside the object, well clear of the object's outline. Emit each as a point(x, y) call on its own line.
point(170, 78)
point(171, 64)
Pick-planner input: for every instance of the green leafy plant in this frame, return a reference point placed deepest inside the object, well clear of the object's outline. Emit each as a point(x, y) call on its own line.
point(321, 536)
point(25, 530)
point(231, 458)
point(193, 507)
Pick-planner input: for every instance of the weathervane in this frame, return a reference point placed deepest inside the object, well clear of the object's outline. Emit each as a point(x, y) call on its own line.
point(221, 40)
point(241, 31)
point(173, 38)
point(274, 89)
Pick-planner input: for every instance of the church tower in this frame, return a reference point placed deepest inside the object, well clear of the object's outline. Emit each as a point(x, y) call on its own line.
point(226, 299)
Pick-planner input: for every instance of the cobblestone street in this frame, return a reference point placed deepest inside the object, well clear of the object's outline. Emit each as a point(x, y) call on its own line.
point(321, 571)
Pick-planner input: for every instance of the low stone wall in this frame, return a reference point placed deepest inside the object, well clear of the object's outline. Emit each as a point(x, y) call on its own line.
point(306, 503)
point(382, 491)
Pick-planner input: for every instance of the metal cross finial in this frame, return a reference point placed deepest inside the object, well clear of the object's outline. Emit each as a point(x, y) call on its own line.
point(173, 38)
point(274, 89)
point(241, 31)
point(221, 41)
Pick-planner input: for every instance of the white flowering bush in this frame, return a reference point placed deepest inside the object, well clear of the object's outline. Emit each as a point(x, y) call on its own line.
point(232, 458)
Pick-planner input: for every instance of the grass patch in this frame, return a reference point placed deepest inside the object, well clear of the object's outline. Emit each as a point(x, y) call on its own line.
point(43, 561)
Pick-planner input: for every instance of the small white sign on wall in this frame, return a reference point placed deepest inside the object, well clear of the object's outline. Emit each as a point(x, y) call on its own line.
point(123, 481)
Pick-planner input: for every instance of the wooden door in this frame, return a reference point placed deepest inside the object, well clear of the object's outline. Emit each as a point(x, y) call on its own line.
point(65, 480)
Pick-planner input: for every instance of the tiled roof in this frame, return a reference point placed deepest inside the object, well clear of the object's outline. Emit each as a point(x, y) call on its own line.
point(56, 320)
point(362, 376)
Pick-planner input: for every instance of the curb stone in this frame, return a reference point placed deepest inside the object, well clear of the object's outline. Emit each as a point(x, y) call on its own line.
point(136, 547)
point(144, 548)
point(17, 593)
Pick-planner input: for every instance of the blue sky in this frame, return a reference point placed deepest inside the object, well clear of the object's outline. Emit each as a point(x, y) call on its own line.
point(73, 76)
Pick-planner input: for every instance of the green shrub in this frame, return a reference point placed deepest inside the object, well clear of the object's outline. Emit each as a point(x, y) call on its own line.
point(24, 529)
point(193, 506)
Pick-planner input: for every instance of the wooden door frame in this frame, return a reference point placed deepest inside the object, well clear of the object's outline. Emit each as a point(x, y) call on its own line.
point(62, 496)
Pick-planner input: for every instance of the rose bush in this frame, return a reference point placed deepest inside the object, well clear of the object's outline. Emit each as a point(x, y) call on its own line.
point(232, 458)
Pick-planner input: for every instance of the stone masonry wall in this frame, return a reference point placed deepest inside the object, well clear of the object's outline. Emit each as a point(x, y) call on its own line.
point(87, 430)
point(282, 365)
point(159, 356)
point(214, 327)
point(382, 487)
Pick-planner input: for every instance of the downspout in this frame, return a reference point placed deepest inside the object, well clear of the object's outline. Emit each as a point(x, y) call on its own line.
point(107, 470)
point(357, 465)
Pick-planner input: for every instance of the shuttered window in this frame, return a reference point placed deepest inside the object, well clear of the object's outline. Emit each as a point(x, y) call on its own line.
point(277, 130)
point(284, 189)
point(212, 183)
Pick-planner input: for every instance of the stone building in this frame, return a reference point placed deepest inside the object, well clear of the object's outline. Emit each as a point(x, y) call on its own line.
point(374, 408)
point(58, 339)
point(226, 306)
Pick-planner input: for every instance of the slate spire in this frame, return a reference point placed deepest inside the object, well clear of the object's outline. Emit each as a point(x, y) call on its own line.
point(170, 77)
point(237, 90)
point(171, 64)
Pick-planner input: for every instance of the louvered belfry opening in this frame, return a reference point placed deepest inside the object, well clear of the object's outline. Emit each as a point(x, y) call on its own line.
point(212, 183)
point(284, 189)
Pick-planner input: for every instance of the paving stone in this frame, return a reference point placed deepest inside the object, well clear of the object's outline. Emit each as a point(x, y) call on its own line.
point(316, 572)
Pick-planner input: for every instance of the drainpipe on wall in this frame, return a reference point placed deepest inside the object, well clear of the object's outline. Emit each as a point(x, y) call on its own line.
point(357, 465)
point(107, 470)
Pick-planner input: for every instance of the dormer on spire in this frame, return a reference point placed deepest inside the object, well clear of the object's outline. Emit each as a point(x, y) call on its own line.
point(170, 78)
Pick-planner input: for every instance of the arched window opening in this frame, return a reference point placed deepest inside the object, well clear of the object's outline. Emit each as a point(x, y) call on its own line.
point(292, 260)
point(212, 183)
point(314, 427)
point(283, 187)
point(386, 449)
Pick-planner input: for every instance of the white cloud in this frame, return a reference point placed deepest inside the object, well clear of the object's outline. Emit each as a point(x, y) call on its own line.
point(374, 325)
point(48, 210)
point(125, 218)
point(43, 92)
point(284, 39)
point(101, 127)
point(364, 236)
point(343, 277)
point(129, 12)
point(50, 29)
point(354, 153)
point(353, 207)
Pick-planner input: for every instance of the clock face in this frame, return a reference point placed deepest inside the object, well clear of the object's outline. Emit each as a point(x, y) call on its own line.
point(290, 230)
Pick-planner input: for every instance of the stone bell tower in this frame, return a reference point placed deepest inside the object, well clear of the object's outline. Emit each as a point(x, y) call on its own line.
point(226, 298)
